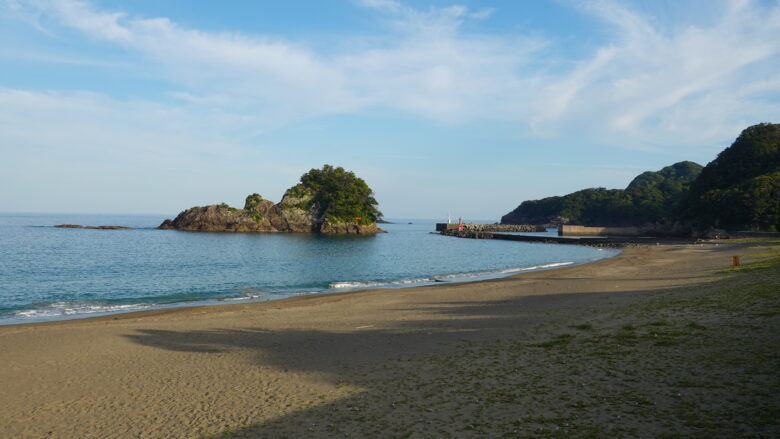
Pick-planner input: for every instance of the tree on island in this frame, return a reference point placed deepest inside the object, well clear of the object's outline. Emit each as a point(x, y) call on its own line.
point(337, 195)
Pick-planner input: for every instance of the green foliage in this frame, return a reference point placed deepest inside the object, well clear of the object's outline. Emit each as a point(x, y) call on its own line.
point(338, 195)
point(652, 197)
point(256, 217)
point(741, 187)
point(252, 201)
point(300, 193)
point(656, 196)
point(226, 206)
point(297, 191)
point(253, 206)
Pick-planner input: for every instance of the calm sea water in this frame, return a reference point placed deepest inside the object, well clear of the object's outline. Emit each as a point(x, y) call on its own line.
point(48, 273)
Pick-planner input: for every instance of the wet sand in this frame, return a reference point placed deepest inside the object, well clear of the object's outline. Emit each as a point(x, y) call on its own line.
point(195, 372)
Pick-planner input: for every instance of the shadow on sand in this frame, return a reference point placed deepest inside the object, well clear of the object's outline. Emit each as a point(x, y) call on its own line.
point(426, 378)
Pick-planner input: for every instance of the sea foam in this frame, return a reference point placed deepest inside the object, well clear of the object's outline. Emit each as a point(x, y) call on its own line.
point(64, 309)
point(456, 277)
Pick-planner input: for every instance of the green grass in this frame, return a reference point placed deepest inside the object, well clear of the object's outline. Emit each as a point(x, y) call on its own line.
point(767, 259)
point(561, 340)
point(257, 217)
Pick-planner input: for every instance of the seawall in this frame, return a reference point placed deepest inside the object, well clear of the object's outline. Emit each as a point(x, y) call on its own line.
point(569, 230)
point(592, 241)
point(547, 239)
point(473, 227)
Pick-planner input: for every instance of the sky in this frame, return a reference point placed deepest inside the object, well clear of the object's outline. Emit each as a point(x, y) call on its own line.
point(468, 107)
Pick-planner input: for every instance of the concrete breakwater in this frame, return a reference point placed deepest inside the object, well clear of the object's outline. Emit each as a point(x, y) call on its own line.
point(473, 227)
point(592, 241)
point(573, 230)
point(547, 239)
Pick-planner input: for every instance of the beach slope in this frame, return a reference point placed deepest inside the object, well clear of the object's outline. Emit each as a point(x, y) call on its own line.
point(649, 343)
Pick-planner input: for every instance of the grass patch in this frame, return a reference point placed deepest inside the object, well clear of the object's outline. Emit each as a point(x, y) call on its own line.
point(626, 336)
point(257, 217)
point(763, 241)
point(694, 325)
point(767, 259)
point(559, 341)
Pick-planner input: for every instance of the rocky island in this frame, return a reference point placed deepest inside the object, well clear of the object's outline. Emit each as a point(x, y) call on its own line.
point(330, 200)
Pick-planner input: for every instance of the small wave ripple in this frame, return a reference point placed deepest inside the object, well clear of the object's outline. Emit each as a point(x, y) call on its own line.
point(458, 277)
point(65, 309)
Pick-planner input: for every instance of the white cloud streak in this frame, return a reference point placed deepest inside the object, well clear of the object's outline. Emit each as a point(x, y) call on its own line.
point(646, 87)
point(651, 87)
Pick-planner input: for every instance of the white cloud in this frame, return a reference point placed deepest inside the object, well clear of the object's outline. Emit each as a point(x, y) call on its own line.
point(435, 21)
point(390, 6)
point(651, 84)
point(654, 87)
point(426, 67)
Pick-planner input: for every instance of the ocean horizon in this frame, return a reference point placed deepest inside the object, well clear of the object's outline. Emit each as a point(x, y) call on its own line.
point(49, 273)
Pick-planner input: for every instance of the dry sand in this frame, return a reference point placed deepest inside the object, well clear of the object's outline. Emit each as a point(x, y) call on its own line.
point(415, 362)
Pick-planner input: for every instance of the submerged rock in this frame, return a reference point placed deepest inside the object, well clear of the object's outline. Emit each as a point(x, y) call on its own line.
point(79, 226)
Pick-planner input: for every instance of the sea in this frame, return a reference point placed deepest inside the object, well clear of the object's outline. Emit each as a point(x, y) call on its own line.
point(49, 273)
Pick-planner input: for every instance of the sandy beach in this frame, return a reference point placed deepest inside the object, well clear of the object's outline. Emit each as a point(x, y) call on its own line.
point(577, 350)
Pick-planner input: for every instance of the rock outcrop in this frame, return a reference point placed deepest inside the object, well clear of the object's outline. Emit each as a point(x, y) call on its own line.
point(217, 218)
point(349, 229)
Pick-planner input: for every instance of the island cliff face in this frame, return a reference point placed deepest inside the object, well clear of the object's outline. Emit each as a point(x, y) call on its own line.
point(298, 212)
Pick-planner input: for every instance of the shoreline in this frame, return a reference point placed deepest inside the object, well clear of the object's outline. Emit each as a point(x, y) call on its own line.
point(483, 276)
point(200, 371)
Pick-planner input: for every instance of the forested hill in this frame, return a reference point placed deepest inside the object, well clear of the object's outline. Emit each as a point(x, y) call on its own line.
point(651, 197)
point(740, 189)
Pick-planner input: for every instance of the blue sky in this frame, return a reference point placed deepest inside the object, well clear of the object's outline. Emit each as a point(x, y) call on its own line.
point(467, 107)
